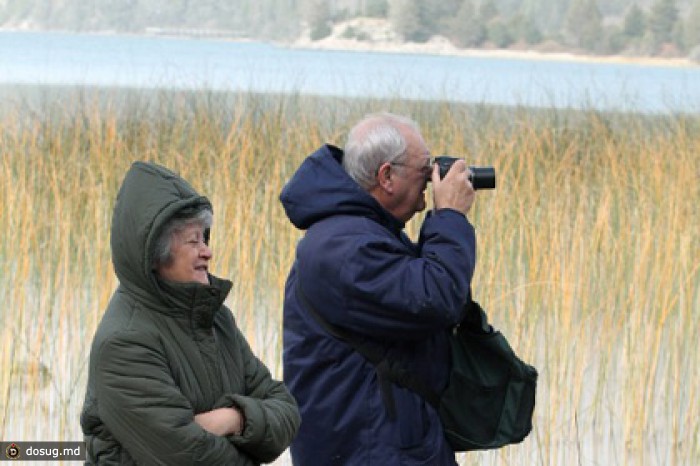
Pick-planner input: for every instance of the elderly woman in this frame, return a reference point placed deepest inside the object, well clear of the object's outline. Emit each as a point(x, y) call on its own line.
point(172, 380)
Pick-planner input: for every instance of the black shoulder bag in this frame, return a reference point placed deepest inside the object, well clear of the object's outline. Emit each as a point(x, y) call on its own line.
point(490, 397)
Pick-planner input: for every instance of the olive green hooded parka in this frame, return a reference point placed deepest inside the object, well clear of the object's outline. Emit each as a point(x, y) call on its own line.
point(164, 352)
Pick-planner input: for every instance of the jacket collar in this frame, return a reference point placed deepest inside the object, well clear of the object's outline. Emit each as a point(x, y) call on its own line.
point(193, 303)
point(321, 188)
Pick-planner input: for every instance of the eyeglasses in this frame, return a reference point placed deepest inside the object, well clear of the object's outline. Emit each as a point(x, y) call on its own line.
point(425, 169)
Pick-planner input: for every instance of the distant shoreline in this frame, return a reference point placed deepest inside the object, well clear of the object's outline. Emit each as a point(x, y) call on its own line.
point(435, 46)
point(446, 49)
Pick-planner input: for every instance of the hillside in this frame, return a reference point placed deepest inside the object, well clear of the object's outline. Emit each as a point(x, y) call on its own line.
point(666, 29)
point(378, 35)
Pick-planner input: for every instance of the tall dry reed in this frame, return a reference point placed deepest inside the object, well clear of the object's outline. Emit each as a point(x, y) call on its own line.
point(588, 255)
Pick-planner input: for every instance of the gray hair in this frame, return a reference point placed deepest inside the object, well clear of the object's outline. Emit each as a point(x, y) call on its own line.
point(198, 215)
point(375, 140)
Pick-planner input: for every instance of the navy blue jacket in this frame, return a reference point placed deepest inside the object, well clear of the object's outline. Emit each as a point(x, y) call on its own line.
point(361, 272)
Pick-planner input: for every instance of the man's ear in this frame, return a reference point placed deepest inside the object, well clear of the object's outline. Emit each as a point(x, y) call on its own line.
point(384, 177)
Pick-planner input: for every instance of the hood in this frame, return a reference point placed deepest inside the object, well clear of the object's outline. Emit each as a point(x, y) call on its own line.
point(148, 197)
point(321, 188)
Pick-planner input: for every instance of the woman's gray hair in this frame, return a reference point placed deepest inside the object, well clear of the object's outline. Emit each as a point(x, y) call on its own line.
point(199, 215)
point(375, 140)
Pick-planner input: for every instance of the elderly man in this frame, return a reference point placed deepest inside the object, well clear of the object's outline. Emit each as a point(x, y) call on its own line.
point(358, 271)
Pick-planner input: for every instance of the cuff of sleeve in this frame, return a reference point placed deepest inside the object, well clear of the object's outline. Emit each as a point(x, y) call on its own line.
point(254, 416)
point(449, 216)
point(446, 210)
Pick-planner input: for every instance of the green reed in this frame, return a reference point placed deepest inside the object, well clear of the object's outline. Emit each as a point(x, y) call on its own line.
point(588, 255)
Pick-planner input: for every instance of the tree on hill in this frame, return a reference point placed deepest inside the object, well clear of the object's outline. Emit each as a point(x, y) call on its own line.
point(584, 23)
point(524, 29)
point(662, 20)
point(318, 17)
point(635, 22)
point(498, 33)
point(376, 8)
point(407, 18)
point(488, 10)
point(692, 26)
point(437, 15)
point(466, 30)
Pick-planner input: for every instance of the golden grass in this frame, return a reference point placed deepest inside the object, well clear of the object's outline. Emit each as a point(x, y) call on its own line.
point(589, 250)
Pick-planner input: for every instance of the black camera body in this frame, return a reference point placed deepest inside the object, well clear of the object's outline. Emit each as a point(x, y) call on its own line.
point(480, 177)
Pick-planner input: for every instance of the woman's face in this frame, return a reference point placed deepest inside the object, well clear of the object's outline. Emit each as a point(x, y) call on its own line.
point(190, 257)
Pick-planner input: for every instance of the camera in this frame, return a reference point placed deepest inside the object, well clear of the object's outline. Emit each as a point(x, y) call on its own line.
point(480, 177)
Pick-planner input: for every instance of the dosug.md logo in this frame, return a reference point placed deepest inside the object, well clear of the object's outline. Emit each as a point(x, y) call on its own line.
point(12, 451)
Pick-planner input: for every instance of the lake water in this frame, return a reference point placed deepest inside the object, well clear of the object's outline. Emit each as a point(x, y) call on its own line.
point(157, 62)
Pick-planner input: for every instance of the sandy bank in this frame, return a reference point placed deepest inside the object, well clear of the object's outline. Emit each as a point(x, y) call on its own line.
point(440, 48)
point(379, 37)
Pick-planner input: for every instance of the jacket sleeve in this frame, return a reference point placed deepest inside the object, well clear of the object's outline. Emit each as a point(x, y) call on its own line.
point(271, 415)
point(392, 288)
point(141, 405)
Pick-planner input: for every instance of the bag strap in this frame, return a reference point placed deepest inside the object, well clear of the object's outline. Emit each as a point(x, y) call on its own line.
point(387, 370)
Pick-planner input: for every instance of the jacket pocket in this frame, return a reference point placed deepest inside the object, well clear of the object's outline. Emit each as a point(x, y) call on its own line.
point(411, 418)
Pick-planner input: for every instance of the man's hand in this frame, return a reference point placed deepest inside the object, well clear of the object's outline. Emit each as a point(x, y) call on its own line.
point(455, 191)
point(221, 421)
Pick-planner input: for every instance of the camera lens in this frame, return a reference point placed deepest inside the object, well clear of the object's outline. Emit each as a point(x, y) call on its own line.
point(480, 177)
point(483, 177)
